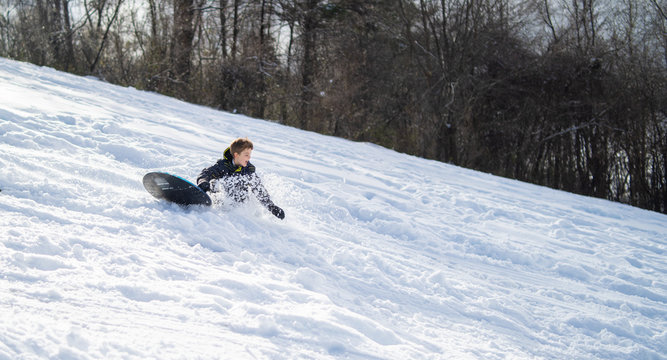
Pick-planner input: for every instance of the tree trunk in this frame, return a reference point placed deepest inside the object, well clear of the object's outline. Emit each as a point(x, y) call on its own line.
point(309, 58)
point(223, 28)
point(181, 49)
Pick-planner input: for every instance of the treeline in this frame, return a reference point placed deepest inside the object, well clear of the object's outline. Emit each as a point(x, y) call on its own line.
point(570, 94)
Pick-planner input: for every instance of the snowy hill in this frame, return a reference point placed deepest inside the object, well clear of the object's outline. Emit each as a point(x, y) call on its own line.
point(381, 255)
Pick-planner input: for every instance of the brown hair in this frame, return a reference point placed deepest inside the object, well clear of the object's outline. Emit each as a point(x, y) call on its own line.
point(239, 145)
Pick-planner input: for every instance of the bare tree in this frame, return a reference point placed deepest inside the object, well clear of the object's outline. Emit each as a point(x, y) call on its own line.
point(181, 46)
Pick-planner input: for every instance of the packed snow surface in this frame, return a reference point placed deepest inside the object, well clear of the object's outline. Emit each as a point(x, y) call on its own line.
point(381, 255)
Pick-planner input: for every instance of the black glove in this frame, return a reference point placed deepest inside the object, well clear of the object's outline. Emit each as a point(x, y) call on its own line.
point(204, 185)
point(277, 212)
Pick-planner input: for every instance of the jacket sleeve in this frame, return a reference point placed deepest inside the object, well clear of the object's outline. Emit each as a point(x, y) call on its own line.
point(216, 171)
point(260, 191)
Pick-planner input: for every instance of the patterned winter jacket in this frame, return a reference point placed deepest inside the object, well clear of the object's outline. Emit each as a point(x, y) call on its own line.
point(236, 180)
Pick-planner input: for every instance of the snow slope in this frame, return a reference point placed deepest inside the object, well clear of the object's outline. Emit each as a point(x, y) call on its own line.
point(381, 256)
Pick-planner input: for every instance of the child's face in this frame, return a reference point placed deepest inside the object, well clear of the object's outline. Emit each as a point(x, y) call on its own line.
point(243, 157)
